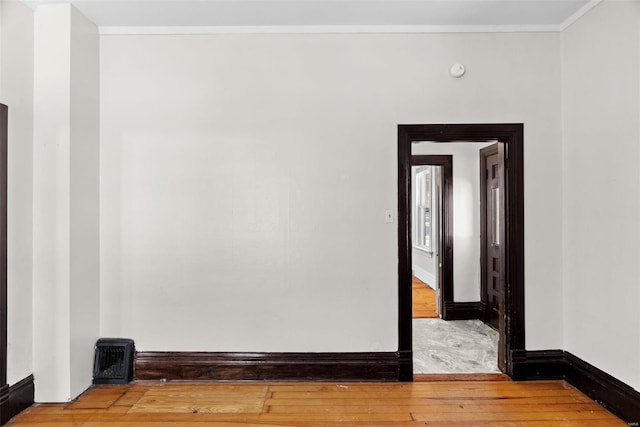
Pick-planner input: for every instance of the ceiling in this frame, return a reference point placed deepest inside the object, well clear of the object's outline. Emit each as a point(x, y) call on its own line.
point(193, 16)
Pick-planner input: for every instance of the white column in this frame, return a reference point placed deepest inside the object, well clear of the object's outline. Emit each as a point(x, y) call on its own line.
point(66, 246)
point(85, 199)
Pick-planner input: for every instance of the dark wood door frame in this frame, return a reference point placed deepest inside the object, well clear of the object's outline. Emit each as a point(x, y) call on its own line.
point(512, 137)
point(3, 246)
point(446, 251)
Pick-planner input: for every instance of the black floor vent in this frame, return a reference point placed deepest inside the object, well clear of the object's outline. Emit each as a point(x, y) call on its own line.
point(113, 362)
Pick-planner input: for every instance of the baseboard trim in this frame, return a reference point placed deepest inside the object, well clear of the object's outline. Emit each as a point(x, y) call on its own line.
point(16, 398)
point(424, 276)
point(611, 393)
point(208, 366)
point(538, 365)
point(4, 405)
point(463, 310)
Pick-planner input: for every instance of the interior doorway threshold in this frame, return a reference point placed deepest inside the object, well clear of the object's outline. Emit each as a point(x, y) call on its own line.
point(459, 377)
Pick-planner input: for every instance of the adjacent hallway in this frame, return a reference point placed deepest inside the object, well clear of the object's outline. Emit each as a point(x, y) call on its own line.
point(424, 300)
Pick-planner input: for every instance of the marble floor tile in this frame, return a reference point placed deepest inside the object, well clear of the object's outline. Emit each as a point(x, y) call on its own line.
point(454, 347)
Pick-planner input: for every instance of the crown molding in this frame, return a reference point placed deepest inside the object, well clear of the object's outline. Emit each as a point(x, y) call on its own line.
point(579, 14)
point(328, 29)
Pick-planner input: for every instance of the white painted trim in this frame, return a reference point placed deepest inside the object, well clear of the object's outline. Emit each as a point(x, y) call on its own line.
point(423, 250)
point(581, 12)
point(329, 29)
point(424, 275)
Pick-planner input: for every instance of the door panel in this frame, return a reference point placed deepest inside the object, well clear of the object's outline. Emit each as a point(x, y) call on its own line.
point(492, 243)
point(492, 239)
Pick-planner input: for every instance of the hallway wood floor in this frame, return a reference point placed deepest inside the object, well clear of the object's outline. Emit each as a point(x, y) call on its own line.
point(442, 403)
point(424, 300)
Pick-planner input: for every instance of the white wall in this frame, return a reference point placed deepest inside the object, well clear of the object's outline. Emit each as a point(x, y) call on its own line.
point(16, 91)
point(244, 181)
point(1, 15)
point(85, 199)
point(66, 150)
point(466, 214)
point(601, 206)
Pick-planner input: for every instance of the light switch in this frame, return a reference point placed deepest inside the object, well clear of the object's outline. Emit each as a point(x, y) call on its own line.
point(388, 217)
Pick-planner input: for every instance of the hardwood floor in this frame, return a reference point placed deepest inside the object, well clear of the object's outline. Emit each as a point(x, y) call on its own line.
point(424, 300)
point(443, 403)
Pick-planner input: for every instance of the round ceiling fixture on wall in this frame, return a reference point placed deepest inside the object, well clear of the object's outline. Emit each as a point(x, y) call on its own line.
point(457, 70)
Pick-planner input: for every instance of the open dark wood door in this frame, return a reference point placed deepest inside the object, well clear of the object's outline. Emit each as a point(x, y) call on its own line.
point(492, 241)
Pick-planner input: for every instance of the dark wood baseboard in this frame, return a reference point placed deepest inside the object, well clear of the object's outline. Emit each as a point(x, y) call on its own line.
point(266, 366)
point(538, 365)
point(611, 393)
point(619, 398)
point(463, 310)
point(16, 399)
point(4, 404)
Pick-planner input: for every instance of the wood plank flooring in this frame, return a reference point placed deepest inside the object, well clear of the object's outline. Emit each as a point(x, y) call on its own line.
point(424, 300)
point(442, 403)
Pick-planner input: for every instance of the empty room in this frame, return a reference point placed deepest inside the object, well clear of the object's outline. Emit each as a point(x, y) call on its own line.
point(244, 195)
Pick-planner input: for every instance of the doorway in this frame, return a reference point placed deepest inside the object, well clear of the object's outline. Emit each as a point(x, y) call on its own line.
point(440, 231)
point(458, 341)
point(426, 201)
point(511, 135)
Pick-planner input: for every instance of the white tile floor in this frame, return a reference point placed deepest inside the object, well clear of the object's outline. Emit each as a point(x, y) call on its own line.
point(454, 347)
